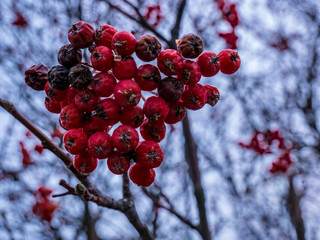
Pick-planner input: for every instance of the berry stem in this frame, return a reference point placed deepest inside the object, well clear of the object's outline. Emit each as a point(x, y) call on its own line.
point(143, 97)
point(87, 64)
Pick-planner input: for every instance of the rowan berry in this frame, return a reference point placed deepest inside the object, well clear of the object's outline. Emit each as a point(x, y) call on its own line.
point(100, 145)
point(75, 141)
point(132, 116)
point(94, 125)
point(141, 176)
point(52, 106)
point(108, 110)
point(81, 34)
point(36, 76)
point(209, 64)
point(58, 77)
point(123, 43)
point(103, 84)
point(118, 163)
point(148, 48)
point(126, 68)
point(190, 45)
point(70, 117)
point(190, 73)
point(125, 138)
point(86, 100)
point(170, 89)
point(177, 112)
point(155, 109)
point(155, 131)
point(102, 58)
point(55, 95)
point(194, 97)
point(229, 61)
point(170, 62)
point(80, 76)
point(149, 154)
point(104, 35)
point(213, 95)
point(127, 93)
point(84, 163)
point(148, 77)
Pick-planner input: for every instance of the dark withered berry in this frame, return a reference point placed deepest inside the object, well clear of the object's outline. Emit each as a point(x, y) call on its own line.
point(148, 48)
point(190, 45)
point(69, 56)
point(170, 89)
point(36, 76)
point(80, 76)
point(58, 77)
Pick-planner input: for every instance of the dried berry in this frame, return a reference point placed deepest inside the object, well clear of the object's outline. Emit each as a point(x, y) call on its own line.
point(69, 56)
point(170, 89)
point(148, 48)
point(190, 45)
point(58, 77)
point(80, 76)
point(36, 76)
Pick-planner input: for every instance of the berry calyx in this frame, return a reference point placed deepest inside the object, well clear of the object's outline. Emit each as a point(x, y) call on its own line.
point(108, 110)
point(148, 77)
point(104, 35)
point(154, 131)
point(190, 73)
point(86, 100)
point(177, 112)
point(213, 95)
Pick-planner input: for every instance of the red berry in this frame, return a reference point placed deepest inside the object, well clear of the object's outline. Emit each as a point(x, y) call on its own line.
point(118, 163)
point(75, 141)
point(149, 154)
point(170, 62)
point(84, 163)
point(170, 89)
point(70, 117)
point(81, 34)
point(123, 43)
point(125, 138)
point(148, 77)
point(209, 64)
point(86, 100)
point(36, 76)
point(55, 95)
point(104, 35)
point(190, 73)
point(103, 84)
point(94, 125)
point(229, 61)
point(194, 97)
point(177, 112)
point(108, 110)
point(71, 93)
point(155, 109)
point(190, 45)
point(155, 131)
point(102, 58)
point(100, 145)
point(132, 116)
point(69, 56)
point(52, 106)
point(127, 93)
point(126, 68)
point(148, 48)
point(141, 176)
point(213, 95)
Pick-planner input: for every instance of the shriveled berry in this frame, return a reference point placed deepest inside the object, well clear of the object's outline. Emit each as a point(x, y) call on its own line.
point(118, 163)
point(81, 34)
point(103, 84)
point(86, 100)
point(213, 95)
point(149, 154)
point(148, 48)
point(52, 106)
point(170, 62)
point(141, 176)
point(80, 76)
point(100, 145)
point(155, 109)
point(177, 112)
point(109, 111)
point(104, 35)
point(190, 73)
point(123, 43)
point(126, 68)
point(84, 163)
point(127, 93)
point(36, 76)
point(75, 141)
point(155, 131)
point(55, 95)
point(194, 97)
point(190, 45)
point(70, 117)
point(125, 138)
point(58, 77)
point(148, 77)
point(102, 58)
point(132, 116)
point(209, 64)
point(170, 89)
point(69, 56)
point(229, 61)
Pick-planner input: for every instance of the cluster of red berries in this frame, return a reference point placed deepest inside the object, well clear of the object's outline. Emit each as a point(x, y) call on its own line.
point(261, 143)
point(92, 105)
point(44, 207)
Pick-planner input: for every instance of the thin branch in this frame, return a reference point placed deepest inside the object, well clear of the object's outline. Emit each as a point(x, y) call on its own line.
point(176, 28)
